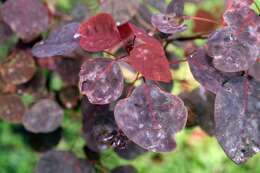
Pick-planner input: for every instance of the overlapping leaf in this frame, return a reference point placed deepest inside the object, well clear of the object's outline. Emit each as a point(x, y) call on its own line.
point(151, 117)
point(18, 68)
point(122, 10)
point(98, 122)
point(27, 18)
point(203, 71)
point(62, 162)
point(60, 42)
point(237, 118)
point(43, 117)
point(229, 53)
point(99, 33)
point(170, 22)
point(101, 80)
point(12, 108)
point(150, 62)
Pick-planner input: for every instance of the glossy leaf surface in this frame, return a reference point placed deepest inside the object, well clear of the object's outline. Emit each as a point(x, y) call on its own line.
point(60, 42)
point(99, 33)
point(150, 62)
point(237, 118)
point(151, 118)
point(101, 80)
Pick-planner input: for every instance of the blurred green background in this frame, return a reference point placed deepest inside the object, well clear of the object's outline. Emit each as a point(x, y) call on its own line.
point(196, 152)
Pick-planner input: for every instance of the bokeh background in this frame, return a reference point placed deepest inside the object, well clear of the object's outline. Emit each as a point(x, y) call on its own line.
point(197, 152)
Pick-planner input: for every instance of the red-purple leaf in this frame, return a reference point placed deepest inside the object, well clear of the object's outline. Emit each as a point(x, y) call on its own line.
point(101, 80)
point(12, 108)
point(129, 32)
point(151, 117)
point(237, 118)
point(18, 68)
point(43, 117)
point(150, 62)
point(99, 33)
point(28, 18)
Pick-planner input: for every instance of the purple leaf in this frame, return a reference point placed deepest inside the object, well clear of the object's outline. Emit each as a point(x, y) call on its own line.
point(151, 117)
point(60, 42)
point(167, 23)
point(175, 7)
point(43, 117)
point(122, 10)
point(101, 80)
point(205, 73)
point(27, 18)
point(237, 119)
point(62, 162)
point(229, 53)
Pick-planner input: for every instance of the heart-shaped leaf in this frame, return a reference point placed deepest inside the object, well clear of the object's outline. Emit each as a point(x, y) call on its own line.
point(101, 80)
point(151, 117)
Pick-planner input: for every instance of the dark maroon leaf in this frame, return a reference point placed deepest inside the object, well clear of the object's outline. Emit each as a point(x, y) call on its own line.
point(68, 69)
point(122, 10)
point(62, 162)
point(204, 72)
point(28, 18)
point(151, 118)
point(5, 31)
point(69, 97)
point(229, 53)
point(18, 68)
point(175, 7)
point(237, 118)
point(130, 152)
point(167, 23)
point(98, 122)
point(91, 154)
point(12, 108)
point(200, 105)
point(61, 41)
point(36, 86)
point(43, 117)
point(124, 169)
point(40, 142)
point(101, 80)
